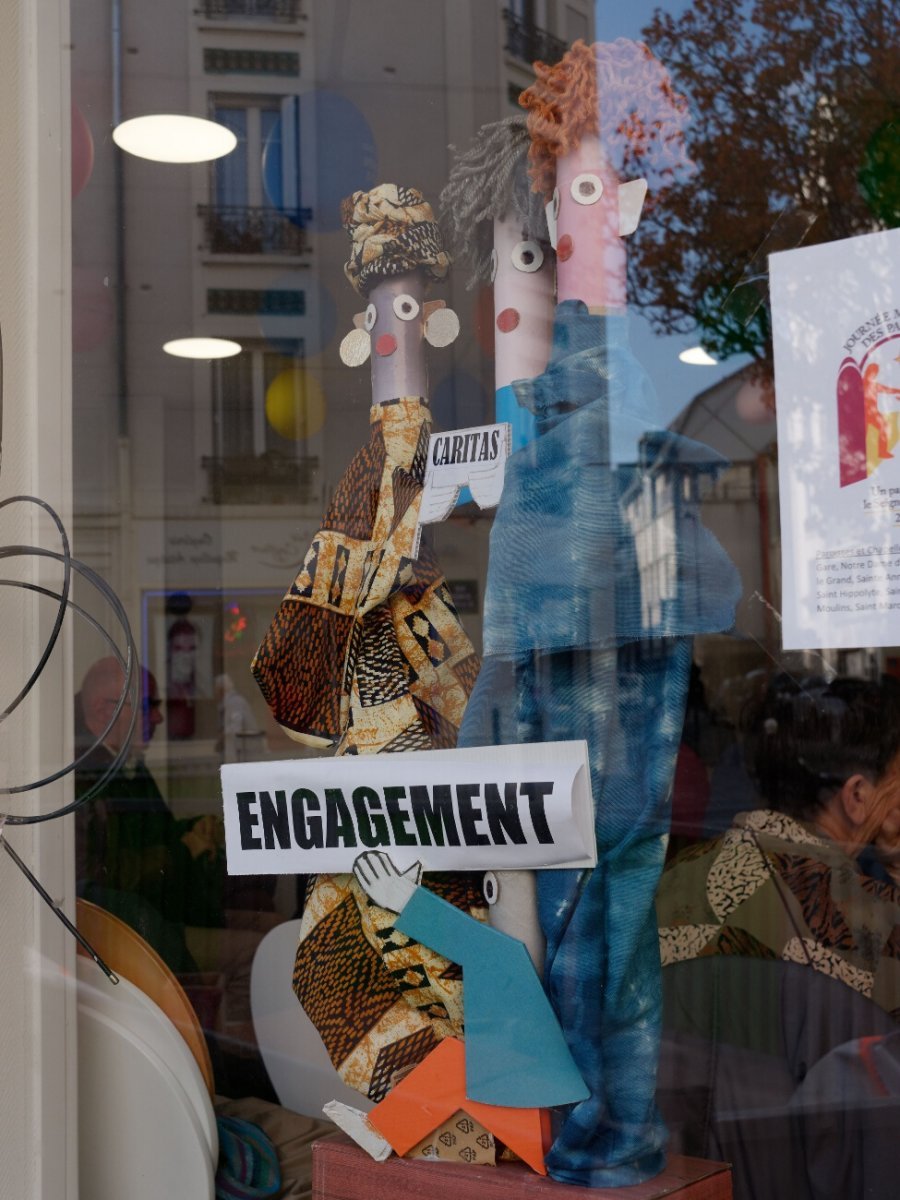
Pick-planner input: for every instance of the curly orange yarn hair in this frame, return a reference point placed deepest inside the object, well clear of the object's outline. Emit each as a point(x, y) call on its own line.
point(616, 90)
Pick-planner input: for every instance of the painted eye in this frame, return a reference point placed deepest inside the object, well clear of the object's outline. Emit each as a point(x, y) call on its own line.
point(527, 256)
point(371, 315)
point(494, 262)
point(490, 885)
point(405, 307)
point(554, 204)
point(586, 188)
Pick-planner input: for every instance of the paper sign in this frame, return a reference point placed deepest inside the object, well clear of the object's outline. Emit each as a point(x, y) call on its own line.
point(475, 456)
point(494, 807)
point(836, 332)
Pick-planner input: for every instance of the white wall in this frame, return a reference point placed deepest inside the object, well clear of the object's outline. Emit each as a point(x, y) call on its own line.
point(37, 1030)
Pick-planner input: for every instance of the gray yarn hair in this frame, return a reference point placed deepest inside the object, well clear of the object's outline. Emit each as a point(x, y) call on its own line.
point(488, 181)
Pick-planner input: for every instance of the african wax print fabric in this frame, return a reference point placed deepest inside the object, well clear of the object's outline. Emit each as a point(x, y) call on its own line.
point(366, 652)
point(381, 1001)
point(392, 231)
point(599, 572)
point(772, 888)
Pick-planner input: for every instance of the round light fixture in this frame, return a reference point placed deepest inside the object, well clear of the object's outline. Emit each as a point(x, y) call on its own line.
point(202, 347)
point(168, 137)
point(696, 356)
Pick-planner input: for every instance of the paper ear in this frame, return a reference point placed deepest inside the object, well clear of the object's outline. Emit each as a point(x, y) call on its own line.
point(359, 320)
point(442, 327)
point(551, 221)
point(432, 306)
point(355, 348)
point(631, 201)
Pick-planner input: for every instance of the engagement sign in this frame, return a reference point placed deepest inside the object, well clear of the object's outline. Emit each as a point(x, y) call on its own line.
point(836, 333)
point(497, 807)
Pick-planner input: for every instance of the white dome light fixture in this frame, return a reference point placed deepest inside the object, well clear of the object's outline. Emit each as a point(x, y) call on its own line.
point(202, 347)
point(696, 356)
point(169, 137)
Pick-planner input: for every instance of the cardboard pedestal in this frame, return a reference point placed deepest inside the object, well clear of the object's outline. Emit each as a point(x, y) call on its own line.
point(341, 1171)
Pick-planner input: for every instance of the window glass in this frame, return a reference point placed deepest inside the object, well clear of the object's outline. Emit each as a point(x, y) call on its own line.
point(670, 277)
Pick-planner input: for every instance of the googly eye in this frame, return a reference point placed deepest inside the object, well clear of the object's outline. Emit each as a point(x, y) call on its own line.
point(586, 188)
point(554, 202)
point(371, 314)
point(490, 886)
point(405, 307)
point(494, 263)
point(527, 256)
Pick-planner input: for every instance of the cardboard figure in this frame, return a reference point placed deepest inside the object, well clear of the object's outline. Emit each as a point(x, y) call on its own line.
point(366, 654)
point(515, 1052)
point(593, 592)
point(498, 228)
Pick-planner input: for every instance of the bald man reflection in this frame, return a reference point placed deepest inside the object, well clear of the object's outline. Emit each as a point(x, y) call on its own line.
point(133, 857)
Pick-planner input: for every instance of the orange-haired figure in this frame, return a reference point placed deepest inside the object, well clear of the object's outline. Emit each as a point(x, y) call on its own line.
point(574, 646)
point(603, 114)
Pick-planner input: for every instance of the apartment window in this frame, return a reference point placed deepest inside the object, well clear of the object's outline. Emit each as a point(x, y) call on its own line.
point(260, 456)
point(238, 175)
point(252, 10)
point(250, 62)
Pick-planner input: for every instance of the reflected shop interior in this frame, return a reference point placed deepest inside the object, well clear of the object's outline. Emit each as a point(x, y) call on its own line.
point(306, 234)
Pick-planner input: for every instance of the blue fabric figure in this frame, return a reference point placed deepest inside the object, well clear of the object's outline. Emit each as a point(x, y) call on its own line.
point(598, 576)
point(521, 420)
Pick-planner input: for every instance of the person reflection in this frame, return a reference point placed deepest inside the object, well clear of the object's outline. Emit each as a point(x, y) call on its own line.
point(133, 857)
point(163, 876)
point(777, 944)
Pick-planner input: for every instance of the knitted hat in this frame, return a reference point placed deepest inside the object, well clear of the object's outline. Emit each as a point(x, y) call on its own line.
point(248, 1162)
point(392, 230)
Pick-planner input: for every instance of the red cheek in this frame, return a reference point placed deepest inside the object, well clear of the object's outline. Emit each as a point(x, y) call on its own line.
point(385, 345)
point(564, 248)
point(508, 320)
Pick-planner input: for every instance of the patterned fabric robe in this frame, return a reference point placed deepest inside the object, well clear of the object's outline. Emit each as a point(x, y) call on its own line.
point(366, 653)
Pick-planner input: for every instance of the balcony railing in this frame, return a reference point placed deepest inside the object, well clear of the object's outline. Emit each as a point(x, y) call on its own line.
point(251, 10)
point(232, 230)
point(529, 42)
point(260, 479)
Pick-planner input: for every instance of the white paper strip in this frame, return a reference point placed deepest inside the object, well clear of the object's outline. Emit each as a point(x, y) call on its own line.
point(496, 807)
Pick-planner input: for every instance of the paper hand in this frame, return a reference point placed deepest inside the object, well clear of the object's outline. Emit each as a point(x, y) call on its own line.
point(383, 883)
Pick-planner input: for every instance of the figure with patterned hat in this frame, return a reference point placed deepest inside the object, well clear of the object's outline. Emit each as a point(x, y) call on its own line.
point(366, 654)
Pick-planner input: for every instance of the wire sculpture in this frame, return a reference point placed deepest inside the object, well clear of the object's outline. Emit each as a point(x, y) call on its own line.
point(127, 660)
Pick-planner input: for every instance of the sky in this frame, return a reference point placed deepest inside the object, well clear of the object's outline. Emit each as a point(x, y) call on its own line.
point(676, 383)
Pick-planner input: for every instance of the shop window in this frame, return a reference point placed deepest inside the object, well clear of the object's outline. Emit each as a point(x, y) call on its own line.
point(240, 218)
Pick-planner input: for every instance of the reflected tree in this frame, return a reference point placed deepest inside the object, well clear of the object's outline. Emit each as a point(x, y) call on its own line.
point(794, 137)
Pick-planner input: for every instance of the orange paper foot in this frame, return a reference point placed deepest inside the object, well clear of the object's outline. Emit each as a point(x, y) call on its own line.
point(436, 1089)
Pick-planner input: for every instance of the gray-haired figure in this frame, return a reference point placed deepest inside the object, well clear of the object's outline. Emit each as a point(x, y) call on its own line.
point(497, 226)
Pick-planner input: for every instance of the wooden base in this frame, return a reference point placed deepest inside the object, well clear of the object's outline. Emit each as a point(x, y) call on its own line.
point(341, 1171)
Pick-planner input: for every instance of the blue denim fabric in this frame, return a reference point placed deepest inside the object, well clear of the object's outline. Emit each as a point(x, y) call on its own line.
point(582, 641)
